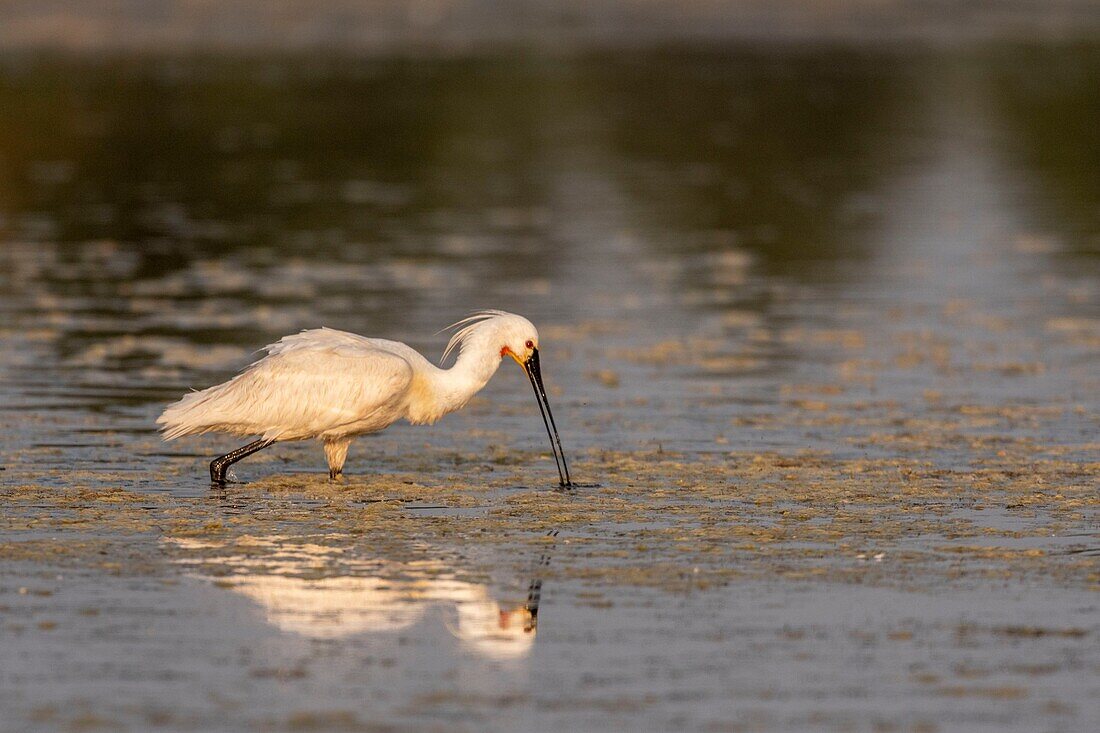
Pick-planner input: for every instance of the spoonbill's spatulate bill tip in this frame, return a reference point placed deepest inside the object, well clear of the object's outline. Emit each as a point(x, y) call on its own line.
point(334, 386)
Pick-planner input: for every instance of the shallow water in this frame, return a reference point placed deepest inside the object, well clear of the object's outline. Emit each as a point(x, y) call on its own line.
point(820, 327)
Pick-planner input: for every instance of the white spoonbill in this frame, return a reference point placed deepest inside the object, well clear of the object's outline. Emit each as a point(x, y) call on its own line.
point(333, 385)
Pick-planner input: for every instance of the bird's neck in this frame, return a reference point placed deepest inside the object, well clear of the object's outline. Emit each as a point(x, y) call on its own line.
point(471, 371)
point(447, 390)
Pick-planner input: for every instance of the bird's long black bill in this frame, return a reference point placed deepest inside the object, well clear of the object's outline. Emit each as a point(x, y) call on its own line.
point(531, 366)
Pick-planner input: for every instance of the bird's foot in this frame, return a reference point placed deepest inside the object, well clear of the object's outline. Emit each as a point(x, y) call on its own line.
point(220, 474)
point(336, 475)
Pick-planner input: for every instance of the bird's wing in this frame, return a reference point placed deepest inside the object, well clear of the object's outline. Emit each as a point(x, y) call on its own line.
point(308, 384)
point(324, 339)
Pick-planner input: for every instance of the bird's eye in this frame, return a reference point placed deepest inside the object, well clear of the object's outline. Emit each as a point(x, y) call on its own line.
point(530, 344)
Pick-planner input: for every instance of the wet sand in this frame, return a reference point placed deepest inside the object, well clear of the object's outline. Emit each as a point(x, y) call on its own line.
point(831, 393)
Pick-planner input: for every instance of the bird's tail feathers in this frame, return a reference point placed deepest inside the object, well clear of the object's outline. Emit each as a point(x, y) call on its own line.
point(189, 415)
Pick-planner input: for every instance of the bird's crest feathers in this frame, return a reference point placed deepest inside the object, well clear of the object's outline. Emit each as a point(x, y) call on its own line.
point(466, 328)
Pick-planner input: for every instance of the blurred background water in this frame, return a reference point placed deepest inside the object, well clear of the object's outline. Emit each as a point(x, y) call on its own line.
point(729, 224)
point(865, 230)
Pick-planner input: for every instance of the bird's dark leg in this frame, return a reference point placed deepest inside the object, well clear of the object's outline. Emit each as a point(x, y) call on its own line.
point(221, 464)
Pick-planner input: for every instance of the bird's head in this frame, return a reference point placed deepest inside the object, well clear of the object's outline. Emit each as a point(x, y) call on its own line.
point(517, 337)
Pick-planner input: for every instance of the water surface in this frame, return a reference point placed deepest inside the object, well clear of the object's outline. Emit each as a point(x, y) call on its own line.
point(821, 325)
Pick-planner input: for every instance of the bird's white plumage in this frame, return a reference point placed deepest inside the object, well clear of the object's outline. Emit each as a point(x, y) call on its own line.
point(467, 328)
point(319, 383)
point(333, 385)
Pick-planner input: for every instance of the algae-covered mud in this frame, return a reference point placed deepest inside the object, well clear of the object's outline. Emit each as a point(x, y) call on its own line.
point(820, 328)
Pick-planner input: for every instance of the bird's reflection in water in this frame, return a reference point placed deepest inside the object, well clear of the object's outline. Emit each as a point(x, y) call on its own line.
point(289, 581)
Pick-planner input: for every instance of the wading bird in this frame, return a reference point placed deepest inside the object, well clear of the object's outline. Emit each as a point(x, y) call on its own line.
point(333, 386)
